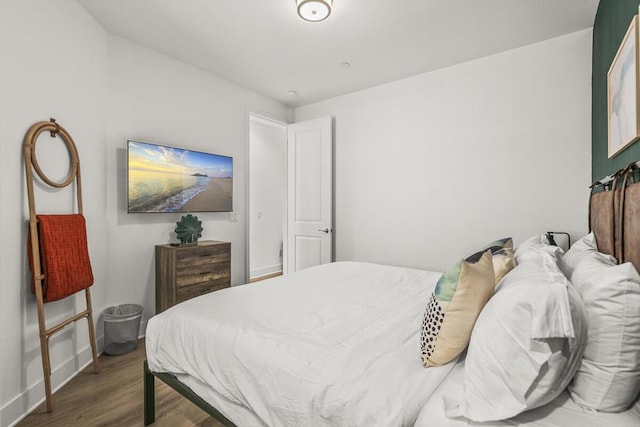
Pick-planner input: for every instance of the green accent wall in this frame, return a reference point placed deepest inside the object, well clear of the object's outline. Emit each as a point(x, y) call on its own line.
point(611, 23)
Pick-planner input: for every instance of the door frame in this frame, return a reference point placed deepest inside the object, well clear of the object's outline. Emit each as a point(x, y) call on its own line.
point(276, 122)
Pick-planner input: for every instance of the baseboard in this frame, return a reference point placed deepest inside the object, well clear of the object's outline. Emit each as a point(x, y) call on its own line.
point(14, 411)
point(263, 271)
point(30, 399)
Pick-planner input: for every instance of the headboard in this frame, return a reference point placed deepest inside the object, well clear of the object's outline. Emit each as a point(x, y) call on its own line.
point(614, 215)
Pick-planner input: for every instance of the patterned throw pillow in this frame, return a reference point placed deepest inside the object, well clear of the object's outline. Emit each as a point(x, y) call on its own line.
point(503, 261)
point(456, 302)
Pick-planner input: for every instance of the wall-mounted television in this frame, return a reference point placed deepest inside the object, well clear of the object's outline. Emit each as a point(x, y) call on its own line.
point(170, 179)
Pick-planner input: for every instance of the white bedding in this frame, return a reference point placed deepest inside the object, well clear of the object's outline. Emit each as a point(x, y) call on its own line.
point(331, 345)
point(561, 412)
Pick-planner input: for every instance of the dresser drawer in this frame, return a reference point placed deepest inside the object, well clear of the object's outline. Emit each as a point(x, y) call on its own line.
point(215, 272)
point(187, 292)
point(202, 262)
point(193, 253)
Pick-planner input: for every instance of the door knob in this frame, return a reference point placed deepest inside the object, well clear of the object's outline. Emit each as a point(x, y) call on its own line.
point(324, 230)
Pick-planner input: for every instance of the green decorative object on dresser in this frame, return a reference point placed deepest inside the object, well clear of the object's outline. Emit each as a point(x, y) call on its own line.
point(189, 230)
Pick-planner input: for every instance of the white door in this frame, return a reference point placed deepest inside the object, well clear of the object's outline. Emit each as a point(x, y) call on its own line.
point(309, 228)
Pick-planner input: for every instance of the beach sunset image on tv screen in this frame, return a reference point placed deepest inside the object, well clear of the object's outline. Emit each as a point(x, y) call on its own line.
point(169, 179)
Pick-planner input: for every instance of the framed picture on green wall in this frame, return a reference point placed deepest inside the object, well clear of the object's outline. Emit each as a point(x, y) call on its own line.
point(622, 93)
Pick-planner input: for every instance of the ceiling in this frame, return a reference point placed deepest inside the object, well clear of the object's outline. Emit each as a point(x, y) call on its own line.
point(264, 46)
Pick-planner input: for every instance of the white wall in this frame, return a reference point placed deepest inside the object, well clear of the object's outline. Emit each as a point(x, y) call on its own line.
point(267, 183)
point(58, 62)
point(54, 64)
point(432, 167)
point(155, 99)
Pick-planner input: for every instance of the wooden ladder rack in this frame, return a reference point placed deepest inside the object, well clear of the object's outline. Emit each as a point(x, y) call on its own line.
point(31, 164)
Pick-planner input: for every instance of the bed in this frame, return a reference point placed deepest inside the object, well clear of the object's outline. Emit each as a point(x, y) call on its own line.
point(304, 349)
point(338, 344)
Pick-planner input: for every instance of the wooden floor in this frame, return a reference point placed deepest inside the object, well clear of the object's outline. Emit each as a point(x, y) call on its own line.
point(265, 277)
point(114, 398)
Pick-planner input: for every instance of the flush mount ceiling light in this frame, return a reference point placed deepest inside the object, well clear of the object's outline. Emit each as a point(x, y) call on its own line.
point(314, 10)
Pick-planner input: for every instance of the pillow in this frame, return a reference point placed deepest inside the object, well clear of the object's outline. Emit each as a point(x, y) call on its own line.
point(576, 253)
point(537, 248)
point(608, 379)
point(503, 261)
point(452, 310)
point(525, 347)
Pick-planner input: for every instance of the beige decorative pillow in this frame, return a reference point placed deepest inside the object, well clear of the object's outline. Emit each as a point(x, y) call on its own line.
point(503, 261)
point(454, 306)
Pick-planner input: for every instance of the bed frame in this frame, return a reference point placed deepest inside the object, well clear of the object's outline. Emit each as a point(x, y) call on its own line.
point(174, 383)
point(614, 218)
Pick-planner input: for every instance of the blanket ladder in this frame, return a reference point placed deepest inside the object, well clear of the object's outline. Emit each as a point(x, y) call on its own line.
point(31, 163)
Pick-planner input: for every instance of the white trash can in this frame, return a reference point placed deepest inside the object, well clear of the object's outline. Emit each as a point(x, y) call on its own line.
point(121, 325)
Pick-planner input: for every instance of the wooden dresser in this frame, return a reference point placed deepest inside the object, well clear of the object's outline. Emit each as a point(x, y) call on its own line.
point(189, 271)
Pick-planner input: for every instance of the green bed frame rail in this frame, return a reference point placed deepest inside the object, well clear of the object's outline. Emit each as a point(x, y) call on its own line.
point(172, 381)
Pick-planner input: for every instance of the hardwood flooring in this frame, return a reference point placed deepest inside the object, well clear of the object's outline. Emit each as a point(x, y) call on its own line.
point(114, 397)
point(265, 277)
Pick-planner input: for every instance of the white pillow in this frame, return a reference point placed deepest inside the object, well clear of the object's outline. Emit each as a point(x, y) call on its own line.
point(537, 248)
point(525, 346)
point(580, 249)
point(608, 379)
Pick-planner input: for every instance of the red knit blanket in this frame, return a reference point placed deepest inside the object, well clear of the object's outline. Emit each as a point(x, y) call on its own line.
point(64, 256)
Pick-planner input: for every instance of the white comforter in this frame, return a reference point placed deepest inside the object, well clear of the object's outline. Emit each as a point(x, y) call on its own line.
point(336, 344)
